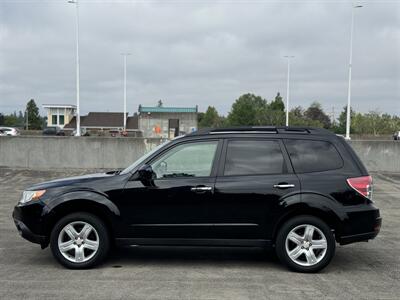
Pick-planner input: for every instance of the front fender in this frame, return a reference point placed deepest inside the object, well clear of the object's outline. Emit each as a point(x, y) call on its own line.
point(79, 200)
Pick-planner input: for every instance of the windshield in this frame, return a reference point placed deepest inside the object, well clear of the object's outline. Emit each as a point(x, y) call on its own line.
point(143, 158)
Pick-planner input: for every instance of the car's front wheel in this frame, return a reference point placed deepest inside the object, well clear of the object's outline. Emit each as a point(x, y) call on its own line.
point(305, 244)
point(79, 241)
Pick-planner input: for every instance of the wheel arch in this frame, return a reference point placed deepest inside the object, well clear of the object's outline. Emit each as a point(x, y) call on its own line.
point(300, 209)
point(92, 203)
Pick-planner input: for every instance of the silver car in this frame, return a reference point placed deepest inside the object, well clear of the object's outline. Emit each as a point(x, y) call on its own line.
point(9, 131)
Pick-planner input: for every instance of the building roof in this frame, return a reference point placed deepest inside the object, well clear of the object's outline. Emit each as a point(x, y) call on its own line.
point(163, 109)
point(104, 120)
point(59, 106)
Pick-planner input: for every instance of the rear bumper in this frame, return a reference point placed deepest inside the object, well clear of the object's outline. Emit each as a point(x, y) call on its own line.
point(361, 237)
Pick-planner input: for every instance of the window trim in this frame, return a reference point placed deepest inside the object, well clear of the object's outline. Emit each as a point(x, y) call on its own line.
point(214, 165)
point(314, 140)
point(287, 165)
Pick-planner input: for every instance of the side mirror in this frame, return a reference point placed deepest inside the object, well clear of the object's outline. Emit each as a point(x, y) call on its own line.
point(146, 174)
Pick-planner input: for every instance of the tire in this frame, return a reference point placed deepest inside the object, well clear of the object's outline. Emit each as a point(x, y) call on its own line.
point(305, 257)
point(84, 239)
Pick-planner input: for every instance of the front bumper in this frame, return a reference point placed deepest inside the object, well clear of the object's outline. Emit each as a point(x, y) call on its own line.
point(27, 234)
point(28, 222)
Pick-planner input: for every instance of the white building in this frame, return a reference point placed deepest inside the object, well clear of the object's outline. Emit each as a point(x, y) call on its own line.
point(59, 114)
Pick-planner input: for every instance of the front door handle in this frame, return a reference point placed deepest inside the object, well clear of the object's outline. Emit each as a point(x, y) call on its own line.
point(201, 189)
point(284, 186)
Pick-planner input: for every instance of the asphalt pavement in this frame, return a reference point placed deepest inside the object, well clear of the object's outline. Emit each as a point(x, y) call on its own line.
point(362, 270)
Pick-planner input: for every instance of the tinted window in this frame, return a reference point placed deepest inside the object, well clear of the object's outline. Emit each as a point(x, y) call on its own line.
point(186, 160)
point(313, 156)
point(247, 157)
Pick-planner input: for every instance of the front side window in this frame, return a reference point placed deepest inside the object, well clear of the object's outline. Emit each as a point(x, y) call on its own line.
point(313, 156)
point(247, 157)
point(54, 119)
point(61, 119)
point(186, 160)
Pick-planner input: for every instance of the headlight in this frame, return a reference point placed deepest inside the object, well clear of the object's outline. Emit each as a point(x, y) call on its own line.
point(31, 195)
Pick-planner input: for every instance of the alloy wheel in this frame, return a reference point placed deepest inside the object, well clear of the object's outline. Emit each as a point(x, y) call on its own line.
point(306, 245)
point(78, 241)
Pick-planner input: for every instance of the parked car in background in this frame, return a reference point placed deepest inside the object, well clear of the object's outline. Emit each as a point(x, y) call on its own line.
point(396, 136)
point(296, 190)
point(2, 133)
point(54, 130)
point(10, 131)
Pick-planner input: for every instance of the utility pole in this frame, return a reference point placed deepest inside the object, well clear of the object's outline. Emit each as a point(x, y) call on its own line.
point(78, 118)
point(287, 87)
point(125, 56)
point(348, 111)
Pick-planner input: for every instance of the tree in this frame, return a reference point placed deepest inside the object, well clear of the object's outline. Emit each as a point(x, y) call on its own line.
point(341, 128)
point(34, 119)
point(316, 113)
point(277, 104)
point(297, 117)
point(210, 118)
point(245, 110)
point(1, 119)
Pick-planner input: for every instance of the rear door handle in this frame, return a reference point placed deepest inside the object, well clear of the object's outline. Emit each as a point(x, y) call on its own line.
point(283, 186)
point(201, 189)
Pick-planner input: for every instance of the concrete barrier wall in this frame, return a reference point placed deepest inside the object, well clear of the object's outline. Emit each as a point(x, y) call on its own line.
point(72, 152)
point(379, 156)
point(37, 152)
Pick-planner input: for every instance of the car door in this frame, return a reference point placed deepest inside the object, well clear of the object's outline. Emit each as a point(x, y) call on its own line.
point(175, 204)
point(253, 178)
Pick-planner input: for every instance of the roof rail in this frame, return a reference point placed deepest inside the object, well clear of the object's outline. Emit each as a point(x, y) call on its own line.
point(263, 129)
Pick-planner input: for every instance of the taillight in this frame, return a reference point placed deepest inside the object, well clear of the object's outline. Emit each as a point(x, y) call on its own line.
point(363, 185)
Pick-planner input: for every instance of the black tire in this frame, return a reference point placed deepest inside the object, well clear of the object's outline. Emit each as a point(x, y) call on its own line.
point(298, 221)
point(103, 239)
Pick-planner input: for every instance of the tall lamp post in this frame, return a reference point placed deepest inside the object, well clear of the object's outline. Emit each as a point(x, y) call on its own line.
point(125, 56)
point(348, 118)
point(287, 87)
point(78, 119)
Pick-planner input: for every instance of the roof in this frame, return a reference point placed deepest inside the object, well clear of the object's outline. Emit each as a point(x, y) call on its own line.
point(264, 129)
point(105, 120)
point(162, 109)
point(59, 106)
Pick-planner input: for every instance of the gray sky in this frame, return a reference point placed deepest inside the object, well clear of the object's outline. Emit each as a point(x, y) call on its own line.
point(199, 52)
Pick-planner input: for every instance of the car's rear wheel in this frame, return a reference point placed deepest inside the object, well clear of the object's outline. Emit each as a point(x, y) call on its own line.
point(79, 241)
point(305, 244)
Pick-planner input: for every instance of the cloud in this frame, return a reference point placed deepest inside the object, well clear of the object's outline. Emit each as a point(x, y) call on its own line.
point(199, 53)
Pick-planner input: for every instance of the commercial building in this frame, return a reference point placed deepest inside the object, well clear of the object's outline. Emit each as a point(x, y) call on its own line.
point(167, 122)
point(59, 114)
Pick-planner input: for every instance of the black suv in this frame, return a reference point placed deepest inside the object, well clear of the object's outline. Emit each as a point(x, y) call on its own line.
point(299, 190)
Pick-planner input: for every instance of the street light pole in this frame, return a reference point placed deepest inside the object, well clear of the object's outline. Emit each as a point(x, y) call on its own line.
point(287, 87)
point(348, 112)
point(125, 55)
point(78, 119)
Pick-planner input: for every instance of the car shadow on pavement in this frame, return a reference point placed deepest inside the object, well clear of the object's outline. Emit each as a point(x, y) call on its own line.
point(162, 255)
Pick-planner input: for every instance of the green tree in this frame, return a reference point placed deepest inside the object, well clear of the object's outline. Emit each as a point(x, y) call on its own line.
point(277, 104)
point(210, 118)
point(1, 119)
point(34, 119)
point(246, 110)
point(316, 113)
point(341, 127)
point(297, 117)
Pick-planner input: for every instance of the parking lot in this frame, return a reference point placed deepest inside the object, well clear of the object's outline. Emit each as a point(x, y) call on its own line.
point(364, 270)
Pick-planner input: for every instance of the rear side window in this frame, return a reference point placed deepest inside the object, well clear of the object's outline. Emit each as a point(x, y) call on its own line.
point(313, 156)
point(252, 157)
